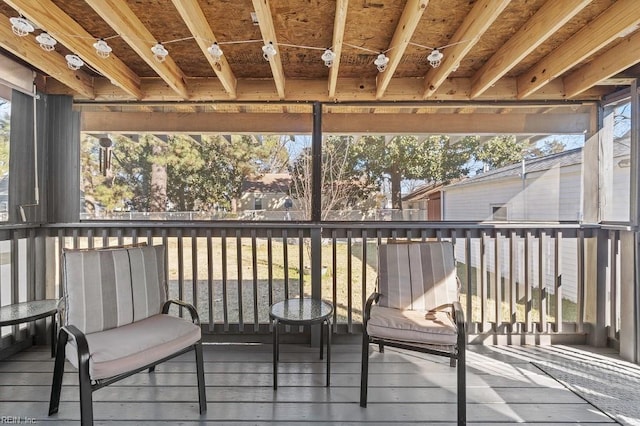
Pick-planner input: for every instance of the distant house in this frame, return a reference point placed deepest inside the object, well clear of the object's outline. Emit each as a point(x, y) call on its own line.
point(549, 189)
point(424, 203)
point(266, 197)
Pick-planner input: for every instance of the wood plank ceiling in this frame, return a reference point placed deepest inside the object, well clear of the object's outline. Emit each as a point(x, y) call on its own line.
point(494, 50)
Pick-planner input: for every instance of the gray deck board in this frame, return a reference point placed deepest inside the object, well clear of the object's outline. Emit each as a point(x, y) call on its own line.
point(504, 387)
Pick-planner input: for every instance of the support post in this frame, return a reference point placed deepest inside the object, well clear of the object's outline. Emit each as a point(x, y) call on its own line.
point(316, 214)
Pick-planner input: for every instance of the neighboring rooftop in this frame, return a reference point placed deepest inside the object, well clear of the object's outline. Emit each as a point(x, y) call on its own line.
point(273, 183)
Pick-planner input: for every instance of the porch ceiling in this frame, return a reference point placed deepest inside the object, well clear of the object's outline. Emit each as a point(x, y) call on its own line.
point(498, 50)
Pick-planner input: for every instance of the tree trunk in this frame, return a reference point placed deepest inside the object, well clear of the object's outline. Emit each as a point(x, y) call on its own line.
point(158, 183)
point(396, 191)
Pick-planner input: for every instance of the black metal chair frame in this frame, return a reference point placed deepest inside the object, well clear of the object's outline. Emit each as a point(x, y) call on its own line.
point(87, 386)
point(457, 357)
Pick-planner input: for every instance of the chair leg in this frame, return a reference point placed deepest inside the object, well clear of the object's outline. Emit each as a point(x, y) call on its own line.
point(462, 386)
point(452, 361)
point(152, 369)
point(86, 392)
point(202, 395)
point(364, 372)
point(381, 347)
point(58, 371)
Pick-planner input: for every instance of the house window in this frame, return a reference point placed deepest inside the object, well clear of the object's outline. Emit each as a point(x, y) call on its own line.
point(499, 212)
point(257, 204)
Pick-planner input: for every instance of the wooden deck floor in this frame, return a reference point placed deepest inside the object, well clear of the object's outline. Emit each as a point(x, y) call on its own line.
point(504, 387)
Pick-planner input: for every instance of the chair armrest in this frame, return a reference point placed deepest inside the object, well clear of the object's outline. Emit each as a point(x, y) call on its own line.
point(192, 310)
point(81, 343)
point(367, 307)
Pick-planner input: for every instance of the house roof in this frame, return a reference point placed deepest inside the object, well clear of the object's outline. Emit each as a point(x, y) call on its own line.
point(268, 183)
point(423, 191)
point(493, 50)
point(566, 158)
point(562, 159)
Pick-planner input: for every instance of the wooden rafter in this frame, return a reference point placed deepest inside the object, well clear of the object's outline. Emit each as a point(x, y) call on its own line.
point(409, 20)
point(475, 24)
point(611, 62)
point(551, 16)
point(620, 16)
point(51, 63)
point(339, 24)
point(68, 32)
point(265, 21)
point(195, 19)
point(122, 19)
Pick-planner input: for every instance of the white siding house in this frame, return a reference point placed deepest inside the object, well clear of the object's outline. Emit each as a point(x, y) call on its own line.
point(546, 189)
point(542, 189)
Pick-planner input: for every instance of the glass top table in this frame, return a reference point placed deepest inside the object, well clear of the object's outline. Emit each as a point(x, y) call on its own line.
point(30, 311)
point(301, 312)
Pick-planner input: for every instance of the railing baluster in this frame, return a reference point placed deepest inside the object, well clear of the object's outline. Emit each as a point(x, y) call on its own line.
point(513, 280)
point(239, 281)
point(542, 271)
point(334, 278)
point(194, 267)
point(349, 284)
point(613, 307)
point(580, 283)
point(210, 278)
point(527, 282)
point(484, 293)
point(301, 264)
point(225, 298)
point(180, 267)
point(285, 261)
point(467, 259)
point(254, 267)
point(558, 281)
point(364, 270)
point(498, 280)
point(270, 265)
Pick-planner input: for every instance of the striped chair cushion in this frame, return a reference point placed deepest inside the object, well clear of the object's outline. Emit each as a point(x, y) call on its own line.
point(111, 287)
point(147, 280)
point(417, 276)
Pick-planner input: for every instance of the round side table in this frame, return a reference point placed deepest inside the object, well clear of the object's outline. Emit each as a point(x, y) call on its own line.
point(31, 311)
point(301, 312)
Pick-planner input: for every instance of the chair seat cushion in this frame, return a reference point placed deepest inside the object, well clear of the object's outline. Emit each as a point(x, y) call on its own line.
point(427, 328)
point(135, 345)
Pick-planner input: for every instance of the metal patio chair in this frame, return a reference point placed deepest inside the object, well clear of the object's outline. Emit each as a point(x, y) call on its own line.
point(416, 307)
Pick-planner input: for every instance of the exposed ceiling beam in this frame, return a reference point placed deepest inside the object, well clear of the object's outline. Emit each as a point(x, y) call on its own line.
point(549, 18)
point(124, 22)
point(203, 123)
point(51, 63)
point(68, 32)
point(477, 21)
point(622, 56)
point(408, 23)
point(339, 24)
point(195, 19)
point(619, 17)
point(474, 124)
point(190, 123)
point(265, 21)
point(302, 90)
